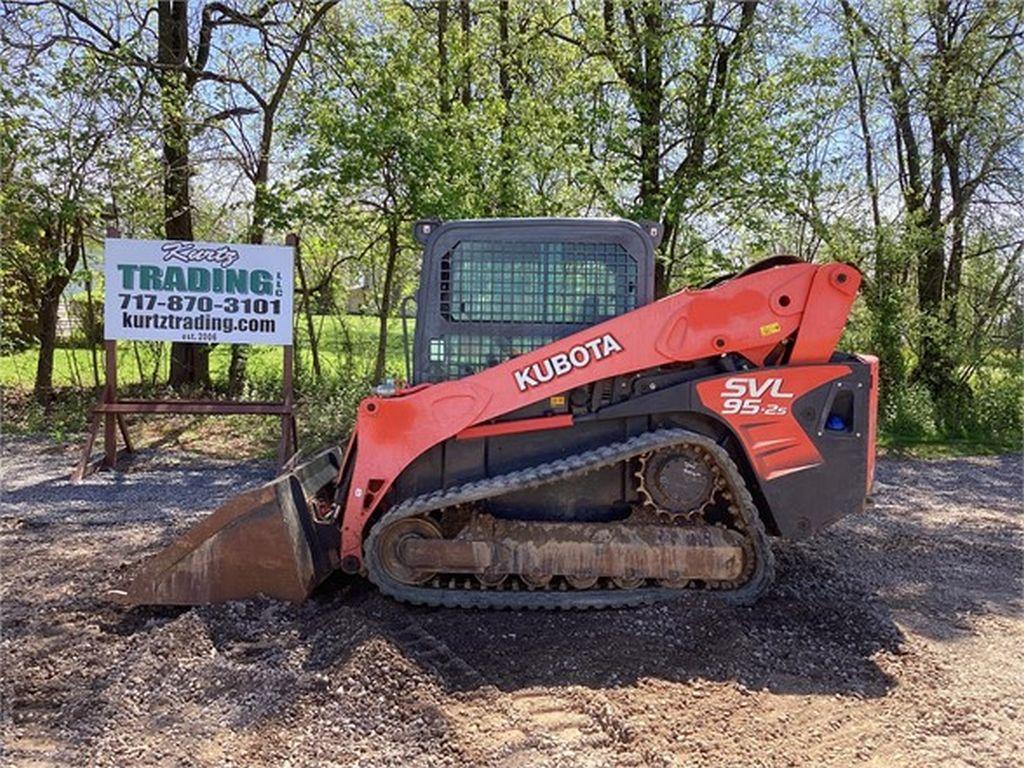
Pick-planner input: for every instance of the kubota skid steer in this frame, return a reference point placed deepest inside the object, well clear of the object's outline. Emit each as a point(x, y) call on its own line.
point(566, 441)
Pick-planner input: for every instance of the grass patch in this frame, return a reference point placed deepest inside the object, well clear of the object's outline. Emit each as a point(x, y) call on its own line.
point(939, 448)
point(348, 348)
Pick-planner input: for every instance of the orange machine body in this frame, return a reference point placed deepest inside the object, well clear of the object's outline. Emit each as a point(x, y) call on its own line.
point(804, 305)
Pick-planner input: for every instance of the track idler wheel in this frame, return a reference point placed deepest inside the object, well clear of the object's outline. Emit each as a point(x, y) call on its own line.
point(392, 541)
point(536, 580)
point(582, 582)
point(491, 580)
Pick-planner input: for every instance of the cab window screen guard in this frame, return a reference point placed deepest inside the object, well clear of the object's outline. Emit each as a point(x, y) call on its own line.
point(551, 283)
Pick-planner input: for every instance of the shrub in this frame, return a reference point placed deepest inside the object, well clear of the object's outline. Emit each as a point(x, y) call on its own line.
point(999, 405)
point(86, 325)
point(909, 413)
point(328, 411)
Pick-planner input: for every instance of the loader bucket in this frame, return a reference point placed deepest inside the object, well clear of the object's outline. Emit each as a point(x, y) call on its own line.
point(262, 542)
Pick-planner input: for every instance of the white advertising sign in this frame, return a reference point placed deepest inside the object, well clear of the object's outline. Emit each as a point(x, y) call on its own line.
point(170, 290)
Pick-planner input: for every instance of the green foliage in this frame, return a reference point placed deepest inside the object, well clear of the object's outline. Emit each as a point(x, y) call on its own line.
point(998, 407)
point(327, 412)
point(86, 318)
point(64, 418)
point(746, 128)
point(909, 413)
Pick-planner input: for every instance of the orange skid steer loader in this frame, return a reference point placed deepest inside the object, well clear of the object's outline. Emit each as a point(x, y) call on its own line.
point(565, 440)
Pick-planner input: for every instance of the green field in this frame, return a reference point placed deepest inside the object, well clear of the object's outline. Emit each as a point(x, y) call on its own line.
point(348, 347)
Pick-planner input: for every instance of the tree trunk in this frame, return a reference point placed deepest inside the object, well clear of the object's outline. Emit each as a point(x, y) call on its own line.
point(237, 367)
point(885, 298)
point(55, 242)
point(190, 363)
point(93, 337)
point(443, 97)
point(466, 22)
point(869, 146)
point(47, 317)
point(648, 95)
point(663, 198)
point(261, 176)
point(648, 107)
point(507, 160)
point(925, 227)
point(663, 267)
point(385, 300)
point(190, 366)
point(307, 311)
point(936, 365)
point(960, 200)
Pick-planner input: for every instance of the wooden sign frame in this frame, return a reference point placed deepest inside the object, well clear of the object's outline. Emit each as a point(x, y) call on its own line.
point(111, 409)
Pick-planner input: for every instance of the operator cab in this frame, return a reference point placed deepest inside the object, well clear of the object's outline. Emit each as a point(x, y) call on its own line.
point(494, 289)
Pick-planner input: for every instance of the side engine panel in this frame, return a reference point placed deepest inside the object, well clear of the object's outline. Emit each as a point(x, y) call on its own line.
point(811, 464)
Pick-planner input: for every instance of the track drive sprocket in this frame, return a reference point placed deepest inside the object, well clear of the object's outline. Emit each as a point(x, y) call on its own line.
point(678, 482)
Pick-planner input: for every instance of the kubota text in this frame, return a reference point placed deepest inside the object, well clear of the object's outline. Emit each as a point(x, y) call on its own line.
point(563, 362)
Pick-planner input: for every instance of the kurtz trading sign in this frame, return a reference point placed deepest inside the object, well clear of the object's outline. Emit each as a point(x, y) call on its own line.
point(169, 290)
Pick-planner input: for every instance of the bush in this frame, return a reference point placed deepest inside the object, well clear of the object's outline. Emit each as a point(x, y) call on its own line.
point(65, 416)
point(909, 413)
point(85, 325)
point(327, 411)
point(999, 405)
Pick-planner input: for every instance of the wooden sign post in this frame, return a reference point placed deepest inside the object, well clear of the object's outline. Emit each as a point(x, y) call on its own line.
point(111, 409)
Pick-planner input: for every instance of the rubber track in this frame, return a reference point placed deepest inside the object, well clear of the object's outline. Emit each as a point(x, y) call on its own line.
point(562, 469)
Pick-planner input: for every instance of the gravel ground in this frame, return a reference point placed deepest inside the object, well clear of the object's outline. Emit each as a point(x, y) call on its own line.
point(894, 638)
